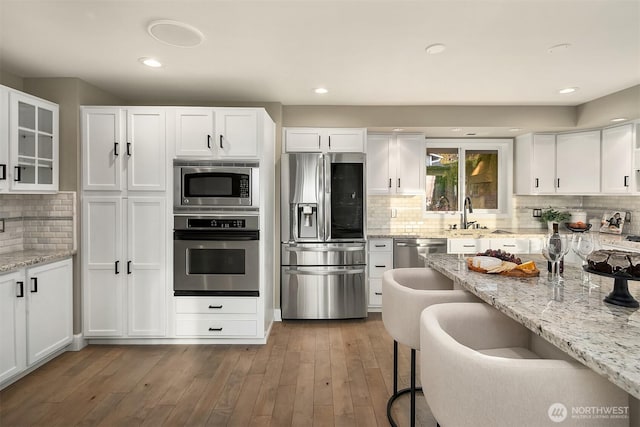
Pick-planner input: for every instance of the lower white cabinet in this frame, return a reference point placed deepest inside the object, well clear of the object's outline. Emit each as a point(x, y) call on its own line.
point(380, 260)
point(36, 315)
point(516, 245)
point(124, 266)
point(212, 317)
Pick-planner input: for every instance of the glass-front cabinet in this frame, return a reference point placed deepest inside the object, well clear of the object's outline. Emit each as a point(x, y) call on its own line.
point(33, 136)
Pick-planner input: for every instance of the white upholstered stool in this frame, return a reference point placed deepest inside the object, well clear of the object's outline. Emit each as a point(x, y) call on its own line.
point(405, 293)
point(484, 369)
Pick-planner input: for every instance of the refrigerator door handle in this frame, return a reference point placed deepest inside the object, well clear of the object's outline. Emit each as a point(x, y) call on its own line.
point(327, 196)
point(320, 198)
point(324, 272)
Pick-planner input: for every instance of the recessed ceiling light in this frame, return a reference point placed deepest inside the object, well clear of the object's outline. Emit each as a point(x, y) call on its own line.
point(398, 129)
point(321, 90)
point(151, 62)
point(455, 129)
point(515, 129)
point(175, 33)
point(436, 48)
point(568, 90)
point(619, 119)
point(559, 48)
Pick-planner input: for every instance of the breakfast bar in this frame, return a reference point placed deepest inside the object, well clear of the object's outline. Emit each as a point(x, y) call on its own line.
point(604, 337)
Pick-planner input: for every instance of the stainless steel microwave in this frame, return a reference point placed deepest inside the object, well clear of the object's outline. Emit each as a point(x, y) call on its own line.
point(206, 184)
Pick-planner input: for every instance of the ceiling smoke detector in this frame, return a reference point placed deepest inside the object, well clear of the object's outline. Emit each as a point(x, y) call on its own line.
point(175, 33)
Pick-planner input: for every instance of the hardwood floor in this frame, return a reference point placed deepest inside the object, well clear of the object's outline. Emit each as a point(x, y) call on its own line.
point(319, 373)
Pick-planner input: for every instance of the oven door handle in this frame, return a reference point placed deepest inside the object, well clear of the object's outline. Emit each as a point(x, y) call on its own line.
point(234, 236)
point(324, 249)
point(324, 272)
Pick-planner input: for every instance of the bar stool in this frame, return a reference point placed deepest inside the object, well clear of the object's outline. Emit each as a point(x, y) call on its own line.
point(485, 369)
point(405, 293)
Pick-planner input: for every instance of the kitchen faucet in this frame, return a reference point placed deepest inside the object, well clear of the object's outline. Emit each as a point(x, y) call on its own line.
point(467, 204)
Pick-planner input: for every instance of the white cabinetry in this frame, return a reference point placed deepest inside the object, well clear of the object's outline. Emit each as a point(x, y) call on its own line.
point(468, 246)
point(217, 132)
point(395, 164)
point(578, 163)
point(471, 246)
point(12, 325)
point(617, 158)
point(380, 260)
point(124, 145)
point(351, 140)
point(124, 266)
point(216, 317)
point(36, 313)
point(28, 143)
point(535, 157)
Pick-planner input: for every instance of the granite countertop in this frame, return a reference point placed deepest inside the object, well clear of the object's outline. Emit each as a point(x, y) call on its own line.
point(15, 260)
point(604, 337)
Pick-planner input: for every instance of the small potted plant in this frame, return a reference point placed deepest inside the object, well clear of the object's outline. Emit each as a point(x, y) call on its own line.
point(551, 216)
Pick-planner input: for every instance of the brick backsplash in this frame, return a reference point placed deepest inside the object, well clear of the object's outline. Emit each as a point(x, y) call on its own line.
point(410, 218)
point(38, 221)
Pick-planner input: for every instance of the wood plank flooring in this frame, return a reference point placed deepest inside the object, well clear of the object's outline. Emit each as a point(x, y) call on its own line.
point(310, 373)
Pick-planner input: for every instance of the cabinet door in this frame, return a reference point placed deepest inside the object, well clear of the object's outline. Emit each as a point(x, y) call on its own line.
point(410, 164)
point(102, 267)
point(543, 164)
point(578, 163)
point(345, 140)
point(194, 132)
point(513, 246)
point(145, 266)
point(378, 157)
point(237, 132)
point(298, 140)
point(146, 149)
point(103, 147)
point(33, 127)
point(4, 140)
point(617, 152)
point(50, 309)
point(12, 325)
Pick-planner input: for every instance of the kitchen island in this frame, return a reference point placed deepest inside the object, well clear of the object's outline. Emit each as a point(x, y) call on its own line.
point(604, 337)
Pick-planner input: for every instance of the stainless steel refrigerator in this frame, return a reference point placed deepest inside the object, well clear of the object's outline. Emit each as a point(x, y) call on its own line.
point(323, 236)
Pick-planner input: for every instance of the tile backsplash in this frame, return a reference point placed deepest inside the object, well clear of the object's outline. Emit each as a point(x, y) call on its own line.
point(409, 216)
point(38, 221)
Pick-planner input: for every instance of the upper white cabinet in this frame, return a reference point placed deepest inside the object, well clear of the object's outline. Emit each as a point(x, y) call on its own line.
point(124, 145)
point(567, 163)
point(617, 159)
point(395, 164)
point(323, 140)
point(217, 132)
point(578, 163)
point(28, 143)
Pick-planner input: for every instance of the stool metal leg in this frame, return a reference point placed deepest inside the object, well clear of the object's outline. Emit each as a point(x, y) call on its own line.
point(397, 393)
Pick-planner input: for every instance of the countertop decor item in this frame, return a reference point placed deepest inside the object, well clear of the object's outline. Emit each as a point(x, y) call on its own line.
point(551, 215)
point(577, 227)
point(612, 222)
point(620, 294)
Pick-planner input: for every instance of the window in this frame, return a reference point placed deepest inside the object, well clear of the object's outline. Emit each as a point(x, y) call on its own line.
point(480, 169)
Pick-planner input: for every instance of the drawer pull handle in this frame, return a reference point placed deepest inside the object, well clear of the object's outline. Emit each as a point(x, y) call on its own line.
point(380, 266)
point(380, 246)
point(378, 293)
point(215, 329)
point(217, 307)
point(468, 246)
point(509, 246)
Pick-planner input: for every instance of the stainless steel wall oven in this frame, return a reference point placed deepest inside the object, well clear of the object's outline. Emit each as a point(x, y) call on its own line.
point(216, 255)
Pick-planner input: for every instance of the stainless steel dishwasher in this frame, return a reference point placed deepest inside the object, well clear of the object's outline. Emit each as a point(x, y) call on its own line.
point(406, 252)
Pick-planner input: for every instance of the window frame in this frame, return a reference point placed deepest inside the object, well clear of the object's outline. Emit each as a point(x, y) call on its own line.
point(504, 147)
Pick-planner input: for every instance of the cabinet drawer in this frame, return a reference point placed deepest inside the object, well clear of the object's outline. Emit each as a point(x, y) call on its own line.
point(375, 292)
point(211, 327)
point(463, 246)
point(379, 263)
point(381, 245)
point(514, 246)
point(216, 305)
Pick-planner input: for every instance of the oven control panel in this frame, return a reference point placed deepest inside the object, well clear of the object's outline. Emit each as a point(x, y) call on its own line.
point(216, 223)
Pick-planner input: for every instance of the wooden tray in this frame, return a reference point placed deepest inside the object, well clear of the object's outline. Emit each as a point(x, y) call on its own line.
point(513, 273)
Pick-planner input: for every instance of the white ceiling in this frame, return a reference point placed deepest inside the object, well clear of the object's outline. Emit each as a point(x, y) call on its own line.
point(365, 52)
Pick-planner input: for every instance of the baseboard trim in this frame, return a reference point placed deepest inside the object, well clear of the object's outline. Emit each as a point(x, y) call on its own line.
point(78, 343)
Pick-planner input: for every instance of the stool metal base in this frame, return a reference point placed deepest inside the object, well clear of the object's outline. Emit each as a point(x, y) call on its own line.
point(397, 393)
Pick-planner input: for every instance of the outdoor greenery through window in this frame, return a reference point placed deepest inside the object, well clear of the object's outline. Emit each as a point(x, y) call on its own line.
point(484, 175)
